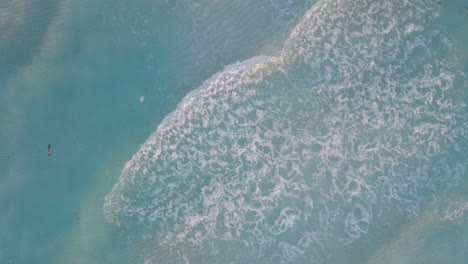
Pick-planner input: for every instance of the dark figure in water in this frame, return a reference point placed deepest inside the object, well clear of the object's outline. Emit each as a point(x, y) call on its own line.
point(49, 151)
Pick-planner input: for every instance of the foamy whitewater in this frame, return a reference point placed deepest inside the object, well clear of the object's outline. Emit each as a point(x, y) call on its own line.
point(234, 131)
point(357, 125)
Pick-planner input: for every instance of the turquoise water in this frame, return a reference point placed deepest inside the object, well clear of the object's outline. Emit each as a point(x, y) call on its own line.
point(271, 131)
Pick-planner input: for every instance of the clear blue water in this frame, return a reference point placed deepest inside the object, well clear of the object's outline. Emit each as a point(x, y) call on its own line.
point(271, 131)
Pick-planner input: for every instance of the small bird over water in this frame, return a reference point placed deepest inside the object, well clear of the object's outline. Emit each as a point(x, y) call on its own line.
point(49, 151)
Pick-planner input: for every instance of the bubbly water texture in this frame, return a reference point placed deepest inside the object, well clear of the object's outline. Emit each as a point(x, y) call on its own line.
point(294, 155)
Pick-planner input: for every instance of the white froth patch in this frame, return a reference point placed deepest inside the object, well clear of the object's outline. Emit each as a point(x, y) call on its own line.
point(455, 211)
point(357, 222)
point(285, 221)
point(410, 28)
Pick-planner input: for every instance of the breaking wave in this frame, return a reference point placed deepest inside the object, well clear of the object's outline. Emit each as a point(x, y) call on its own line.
point(355, 119)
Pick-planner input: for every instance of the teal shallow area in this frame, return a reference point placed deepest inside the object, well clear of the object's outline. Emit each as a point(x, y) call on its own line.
point(330, 131)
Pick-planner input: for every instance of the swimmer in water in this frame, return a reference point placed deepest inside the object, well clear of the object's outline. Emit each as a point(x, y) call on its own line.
point(49, 151)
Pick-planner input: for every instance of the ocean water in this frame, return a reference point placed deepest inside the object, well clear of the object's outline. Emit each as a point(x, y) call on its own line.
point(245, 131)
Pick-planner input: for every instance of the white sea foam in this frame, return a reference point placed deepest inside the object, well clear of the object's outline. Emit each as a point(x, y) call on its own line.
point(456, 211)
point(343, 124)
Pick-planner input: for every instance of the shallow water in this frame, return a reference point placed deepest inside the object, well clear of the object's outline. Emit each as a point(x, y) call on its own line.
point(326, 131)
